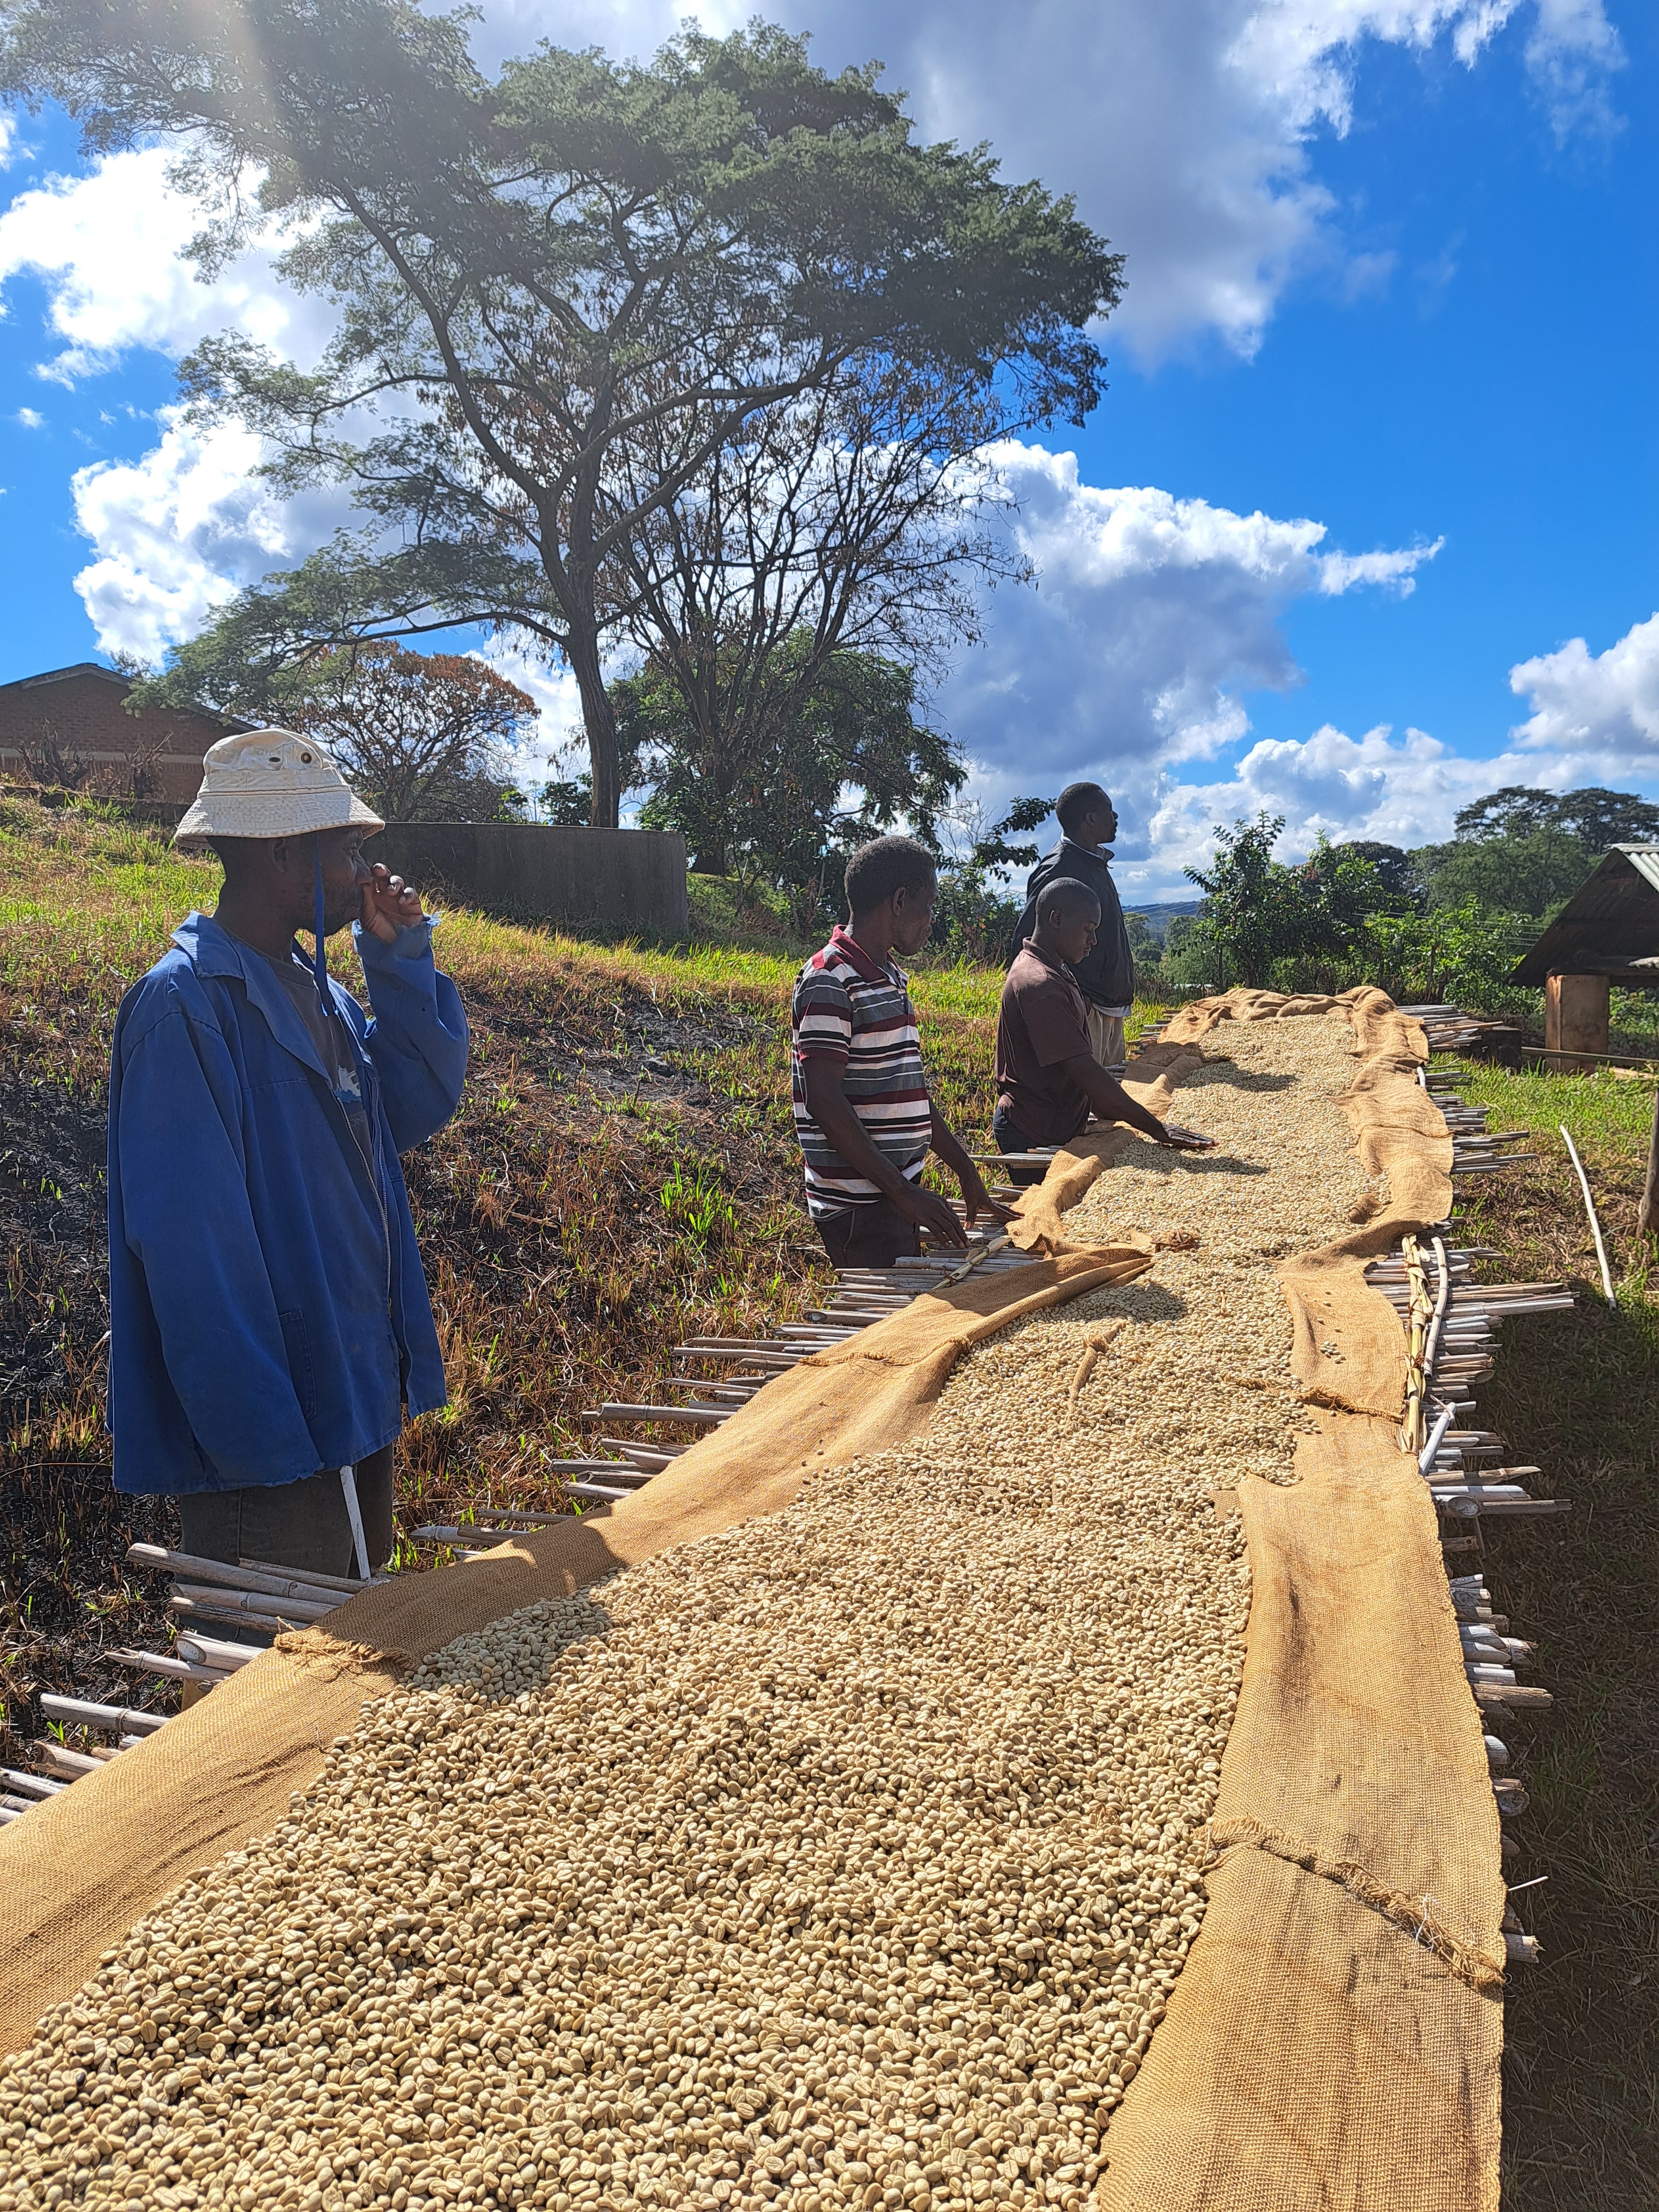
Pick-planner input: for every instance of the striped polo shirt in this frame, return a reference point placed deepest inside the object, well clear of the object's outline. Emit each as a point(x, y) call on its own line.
point(850, 1009)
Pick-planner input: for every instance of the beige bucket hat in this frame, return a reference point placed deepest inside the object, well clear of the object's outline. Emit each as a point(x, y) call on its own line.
point(270, 783)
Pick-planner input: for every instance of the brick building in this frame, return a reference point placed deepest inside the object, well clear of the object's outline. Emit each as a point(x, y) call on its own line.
point(70, 727)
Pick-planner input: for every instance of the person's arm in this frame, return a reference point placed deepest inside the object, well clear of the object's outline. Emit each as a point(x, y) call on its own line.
point(1112, 1103)
point(418, 1037)
point(828, 1105)
point(977, 1199)
point(186, 1219)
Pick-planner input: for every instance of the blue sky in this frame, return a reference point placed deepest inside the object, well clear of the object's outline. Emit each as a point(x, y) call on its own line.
point(1392, 300)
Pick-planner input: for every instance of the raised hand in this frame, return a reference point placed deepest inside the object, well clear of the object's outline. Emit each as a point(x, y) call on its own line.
point(389, 904)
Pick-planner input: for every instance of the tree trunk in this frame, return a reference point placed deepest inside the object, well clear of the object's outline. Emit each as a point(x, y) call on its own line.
point(1647, 1218)
point(605, 760)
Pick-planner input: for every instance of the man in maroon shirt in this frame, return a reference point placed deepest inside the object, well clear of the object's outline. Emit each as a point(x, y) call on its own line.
point(1047, 1077)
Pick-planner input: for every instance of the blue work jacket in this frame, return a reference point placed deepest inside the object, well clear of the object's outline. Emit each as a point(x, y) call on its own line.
point(268, 1314)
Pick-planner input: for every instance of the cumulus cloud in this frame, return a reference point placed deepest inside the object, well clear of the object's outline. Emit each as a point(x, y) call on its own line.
point(1400, 790)
point(557, 748)
point(1150, 616)
point(1186, 132)
point(180, 531)
point(1602, 707)
point(111, 248)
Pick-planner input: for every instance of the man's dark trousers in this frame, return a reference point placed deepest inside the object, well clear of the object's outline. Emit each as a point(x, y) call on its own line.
point(293, 1524)
point(869, 1236)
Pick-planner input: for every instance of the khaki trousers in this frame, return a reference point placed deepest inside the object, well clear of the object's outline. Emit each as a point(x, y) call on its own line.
point(1105, 1037)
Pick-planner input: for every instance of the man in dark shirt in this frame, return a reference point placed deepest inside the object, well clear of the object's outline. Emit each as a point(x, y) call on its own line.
point(1047, 1077)
point(1106, 976)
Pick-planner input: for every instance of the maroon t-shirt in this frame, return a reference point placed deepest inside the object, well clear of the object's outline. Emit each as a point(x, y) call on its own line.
point(1041, 1023)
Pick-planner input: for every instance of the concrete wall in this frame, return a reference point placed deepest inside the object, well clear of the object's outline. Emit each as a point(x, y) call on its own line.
point(623, 879)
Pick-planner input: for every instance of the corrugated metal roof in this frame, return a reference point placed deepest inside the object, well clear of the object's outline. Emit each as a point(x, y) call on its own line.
point(1644, 859)
point(1611, 921)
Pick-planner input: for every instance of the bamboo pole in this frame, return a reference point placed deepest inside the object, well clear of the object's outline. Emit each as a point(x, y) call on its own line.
point(123, 1719)
point(218, 1653)
point(162, 1663)
point(693, 1416)
point(275, 1582)
point(1411, 1437)
point(1589, 1208)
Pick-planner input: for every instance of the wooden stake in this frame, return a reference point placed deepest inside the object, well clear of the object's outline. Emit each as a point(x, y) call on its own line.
point(1589, 1208)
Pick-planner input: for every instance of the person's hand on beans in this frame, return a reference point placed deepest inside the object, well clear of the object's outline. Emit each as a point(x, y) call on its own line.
point(1185, 1141)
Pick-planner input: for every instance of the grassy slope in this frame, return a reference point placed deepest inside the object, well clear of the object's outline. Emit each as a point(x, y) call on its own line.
point(621, 1170)
point(1576, 1395)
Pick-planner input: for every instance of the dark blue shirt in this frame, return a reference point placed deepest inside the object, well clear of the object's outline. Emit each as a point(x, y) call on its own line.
point(268, 1313)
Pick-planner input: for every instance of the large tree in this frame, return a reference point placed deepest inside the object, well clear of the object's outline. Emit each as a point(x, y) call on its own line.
point(536, 271)
point(850, 520)
point(1257, 911)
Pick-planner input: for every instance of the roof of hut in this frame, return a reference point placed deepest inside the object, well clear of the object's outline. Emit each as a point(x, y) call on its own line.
point(1608, 926)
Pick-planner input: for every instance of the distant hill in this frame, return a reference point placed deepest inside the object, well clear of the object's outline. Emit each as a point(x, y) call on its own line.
point(1157, 918)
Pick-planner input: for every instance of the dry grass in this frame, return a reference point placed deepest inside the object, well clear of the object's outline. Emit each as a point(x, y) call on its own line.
point(1576, 1395)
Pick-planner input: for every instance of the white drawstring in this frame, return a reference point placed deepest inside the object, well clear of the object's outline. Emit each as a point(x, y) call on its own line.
point(354, 1514)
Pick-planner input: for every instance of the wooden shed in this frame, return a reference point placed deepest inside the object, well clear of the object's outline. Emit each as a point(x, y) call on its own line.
point(1606, 933)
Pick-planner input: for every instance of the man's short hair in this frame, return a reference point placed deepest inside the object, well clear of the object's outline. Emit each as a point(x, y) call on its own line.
point(1064, 896)
point(1077, 800)
point(884, 865)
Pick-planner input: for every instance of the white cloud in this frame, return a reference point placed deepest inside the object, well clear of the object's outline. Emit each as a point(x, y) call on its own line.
point(1150, 616)
point(1400, 791)
point(557, 748)
point(1572, 55)
point(111, 245)
point(31, 418)
point(179, 531)
point(1595, 707)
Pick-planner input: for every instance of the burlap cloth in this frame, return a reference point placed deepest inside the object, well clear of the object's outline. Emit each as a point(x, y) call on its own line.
point(1334, 2038)
point(1333, 2041)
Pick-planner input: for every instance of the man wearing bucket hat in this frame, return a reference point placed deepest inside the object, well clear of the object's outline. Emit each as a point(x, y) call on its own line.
point(270, 1328)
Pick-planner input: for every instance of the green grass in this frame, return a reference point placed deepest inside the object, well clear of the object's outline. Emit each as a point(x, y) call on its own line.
point(1576, 1395)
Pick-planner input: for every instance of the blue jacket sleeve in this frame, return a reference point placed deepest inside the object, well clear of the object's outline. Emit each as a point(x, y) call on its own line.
point(186, 1219)
point(417, 1040)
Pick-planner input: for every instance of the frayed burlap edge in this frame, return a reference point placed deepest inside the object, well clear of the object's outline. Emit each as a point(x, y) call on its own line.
point(1419, 1916)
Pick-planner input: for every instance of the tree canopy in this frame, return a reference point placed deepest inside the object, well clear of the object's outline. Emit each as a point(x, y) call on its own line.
point(426, 736)
point(1258, 912)
point(562, 292)
point(1598, 818)
point(843, 757)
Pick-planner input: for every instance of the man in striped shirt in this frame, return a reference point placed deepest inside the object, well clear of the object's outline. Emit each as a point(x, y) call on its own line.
point(862, 1112)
